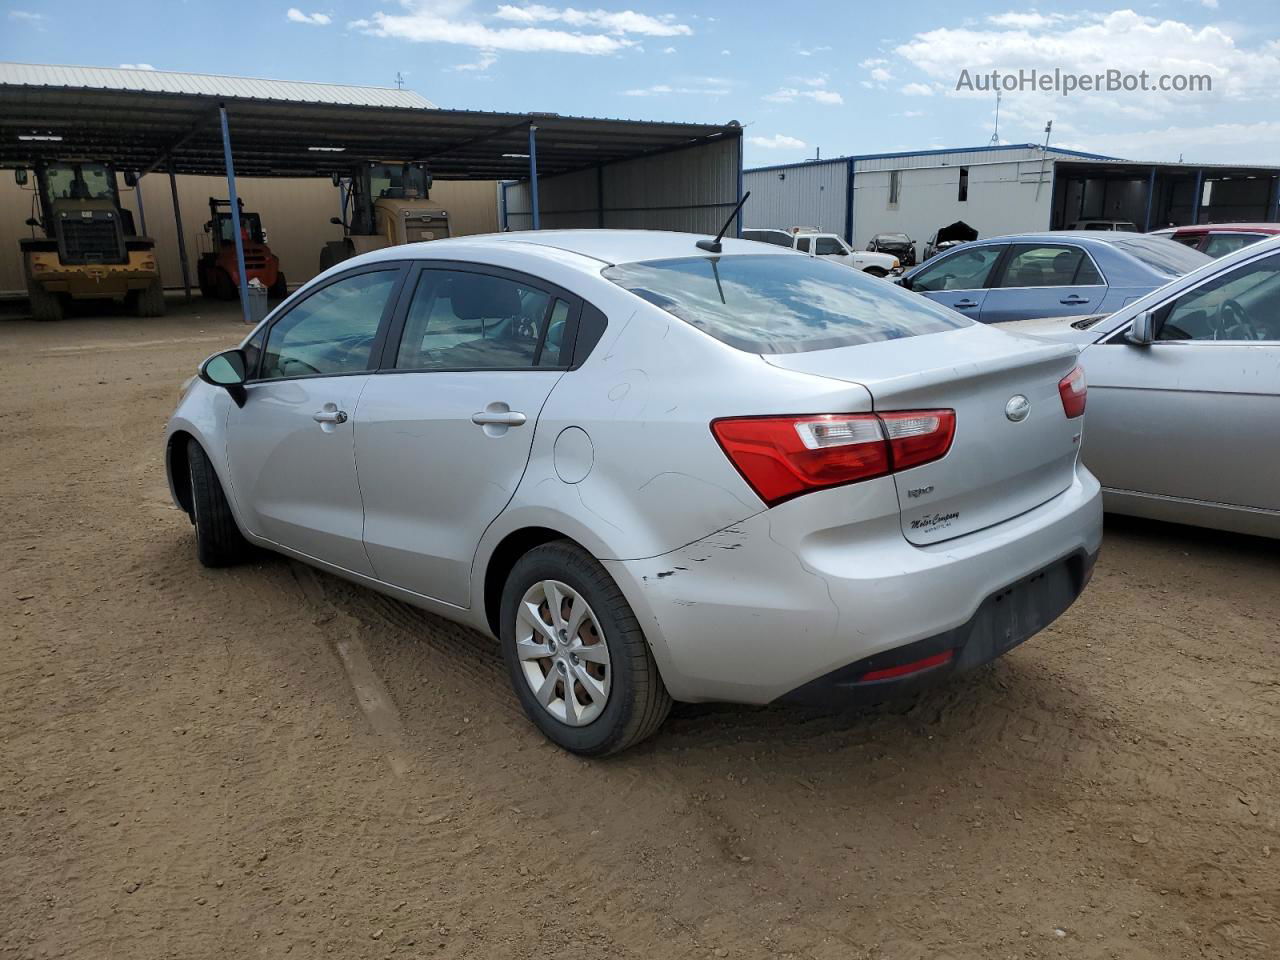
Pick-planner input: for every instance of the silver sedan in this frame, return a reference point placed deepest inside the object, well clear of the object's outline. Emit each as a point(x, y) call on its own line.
point(654, 467)
point(1184, 395)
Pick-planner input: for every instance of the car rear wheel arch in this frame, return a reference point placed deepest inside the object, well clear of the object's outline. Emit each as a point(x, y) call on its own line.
point(504, 557)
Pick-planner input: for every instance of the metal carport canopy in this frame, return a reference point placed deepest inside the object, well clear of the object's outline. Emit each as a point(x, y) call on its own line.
point(140, 120)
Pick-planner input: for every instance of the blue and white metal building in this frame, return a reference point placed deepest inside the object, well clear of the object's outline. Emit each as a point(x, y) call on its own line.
point(1001, 189)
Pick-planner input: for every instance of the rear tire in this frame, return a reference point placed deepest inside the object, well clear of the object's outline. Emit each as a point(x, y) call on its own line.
point(635, 701)
point(44, 305)
point(150, 301)
point(280, 289)
point(876, 271)
point(219, 542)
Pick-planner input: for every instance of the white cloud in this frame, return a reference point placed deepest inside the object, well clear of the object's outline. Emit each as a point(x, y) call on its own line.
point(136, 66)
point(872, 62)
point(917, 90)
point(1025, 21)
point(792, 94)
point(705, 87)
point(25, 16)
point(616, 22)
point(294, 15)
point(811, 51)
point(486, 60)
point(778, 141)
point(433, 21)
point(726, 53)
point(1092, 44)
point(881, 75)
point(669, 50)
point(911, 113)
point(1213, 143)
point(1211, 4)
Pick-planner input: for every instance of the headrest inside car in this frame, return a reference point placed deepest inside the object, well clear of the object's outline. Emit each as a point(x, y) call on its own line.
point(483, 298)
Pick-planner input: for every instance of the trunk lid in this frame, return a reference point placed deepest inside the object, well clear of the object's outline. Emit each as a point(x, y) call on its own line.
point(997, 467)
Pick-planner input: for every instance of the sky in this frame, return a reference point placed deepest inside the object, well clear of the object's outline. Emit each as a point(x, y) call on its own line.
point(843, 78)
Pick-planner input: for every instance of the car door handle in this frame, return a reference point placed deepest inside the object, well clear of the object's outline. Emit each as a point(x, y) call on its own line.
point(965, 304)
point(329, 416)
point(1074, 300)
point(500, 418)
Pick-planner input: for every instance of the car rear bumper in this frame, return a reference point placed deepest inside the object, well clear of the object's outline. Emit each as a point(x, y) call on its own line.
point(1002, 621)
point(769, 605)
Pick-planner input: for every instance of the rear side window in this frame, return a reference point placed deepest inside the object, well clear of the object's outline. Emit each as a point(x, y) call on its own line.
point(773, 304)
point(1163, 256)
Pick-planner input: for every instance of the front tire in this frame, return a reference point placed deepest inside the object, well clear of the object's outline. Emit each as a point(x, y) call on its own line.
point(44, 305)
point(150, 301)
point(578, 660)
point(219, 542)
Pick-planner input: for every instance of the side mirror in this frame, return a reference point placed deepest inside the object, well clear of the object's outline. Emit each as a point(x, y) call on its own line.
point(336, 221)
point(130, 178)
point(226, 370)
point(32, 222)
point(904, 282)
point(1142, 331)
point(20, 177)
point(336, 178)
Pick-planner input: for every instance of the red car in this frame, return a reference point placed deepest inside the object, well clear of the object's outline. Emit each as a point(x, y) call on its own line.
point(1219, 239)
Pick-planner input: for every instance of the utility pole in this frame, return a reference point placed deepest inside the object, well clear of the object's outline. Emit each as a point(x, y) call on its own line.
point(1044, 155)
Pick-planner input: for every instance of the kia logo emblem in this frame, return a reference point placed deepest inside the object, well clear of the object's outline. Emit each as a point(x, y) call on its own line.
point(1017, 408)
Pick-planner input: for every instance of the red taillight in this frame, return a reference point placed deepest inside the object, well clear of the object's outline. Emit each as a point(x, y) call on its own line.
point(918, 436)
point(1074, 392)
point(783, 457)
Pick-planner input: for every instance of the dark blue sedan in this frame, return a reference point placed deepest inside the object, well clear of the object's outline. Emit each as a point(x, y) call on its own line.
point(1052, 274)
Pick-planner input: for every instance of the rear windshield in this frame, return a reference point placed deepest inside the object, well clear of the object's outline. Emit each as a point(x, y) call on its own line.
point(1163, 256)
point(783, 304)
point(894, 238)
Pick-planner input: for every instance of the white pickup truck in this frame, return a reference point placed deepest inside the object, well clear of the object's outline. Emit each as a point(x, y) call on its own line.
point(829, 246)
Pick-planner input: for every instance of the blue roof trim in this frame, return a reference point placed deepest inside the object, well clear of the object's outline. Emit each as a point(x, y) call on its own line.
point(931, 153)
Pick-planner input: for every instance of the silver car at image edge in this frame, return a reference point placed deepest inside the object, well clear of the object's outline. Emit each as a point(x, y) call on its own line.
point(1184, 395)
point(654, 467)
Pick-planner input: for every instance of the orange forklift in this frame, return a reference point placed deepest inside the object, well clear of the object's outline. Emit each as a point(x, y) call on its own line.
point(216, 269)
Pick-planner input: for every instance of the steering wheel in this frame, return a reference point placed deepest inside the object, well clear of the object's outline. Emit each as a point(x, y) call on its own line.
point(1232, 323)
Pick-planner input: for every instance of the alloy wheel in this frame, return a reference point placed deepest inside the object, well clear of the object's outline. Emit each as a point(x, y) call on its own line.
point(562, 651)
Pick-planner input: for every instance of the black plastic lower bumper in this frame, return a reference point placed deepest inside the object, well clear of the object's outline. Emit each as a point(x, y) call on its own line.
point(1002, 621)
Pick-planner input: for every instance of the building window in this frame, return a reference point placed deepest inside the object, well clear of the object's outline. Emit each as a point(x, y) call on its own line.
point(964, 184)
point(895, 186)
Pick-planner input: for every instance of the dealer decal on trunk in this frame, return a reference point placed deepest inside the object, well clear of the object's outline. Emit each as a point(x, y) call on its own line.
point(939, 521)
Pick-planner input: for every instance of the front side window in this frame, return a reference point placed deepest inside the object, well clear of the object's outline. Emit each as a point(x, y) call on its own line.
point(1220, 244)
point(474, 321)
point(828, 246)
point(332, 331)
point(963, 270)
point(1038, 265)
point(772, 304)
point(1241, 304)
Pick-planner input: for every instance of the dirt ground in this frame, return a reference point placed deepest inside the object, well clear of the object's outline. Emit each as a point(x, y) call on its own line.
point(267, 761)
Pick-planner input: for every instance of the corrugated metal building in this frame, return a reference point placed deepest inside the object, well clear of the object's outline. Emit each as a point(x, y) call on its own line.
point(1003, 189)
point(678, 189)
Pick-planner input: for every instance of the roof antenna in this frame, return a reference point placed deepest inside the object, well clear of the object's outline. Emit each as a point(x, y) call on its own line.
point(399, 80)
point(713, 246)
point(995, 134)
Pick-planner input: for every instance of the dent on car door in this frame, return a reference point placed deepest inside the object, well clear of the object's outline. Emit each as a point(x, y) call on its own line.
point(444, 429)
point(1044, 280)
point(1193, 415)
point(959, 279)
point(290, 447)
